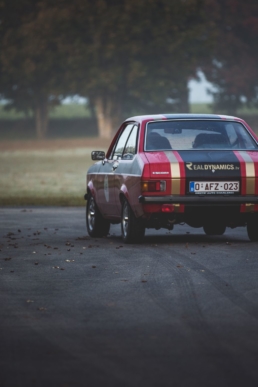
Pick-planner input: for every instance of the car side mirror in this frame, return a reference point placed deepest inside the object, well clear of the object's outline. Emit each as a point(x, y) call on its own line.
point(97, 155)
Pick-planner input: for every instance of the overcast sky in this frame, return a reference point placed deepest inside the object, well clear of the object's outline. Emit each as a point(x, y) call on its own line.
point(198, 90)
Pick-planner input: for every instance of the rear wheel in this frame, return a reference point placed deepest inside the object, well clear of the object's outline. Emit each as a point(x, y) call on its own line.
point(252, 230)
point(132, 228)
point(214, 229)
point(97, 226)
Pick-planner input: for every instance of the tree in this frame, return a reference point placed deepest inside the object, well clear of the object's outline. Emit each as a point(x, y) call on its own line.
point(232, 67)
point(33, 67)
point(133, 56)
point(126, 57)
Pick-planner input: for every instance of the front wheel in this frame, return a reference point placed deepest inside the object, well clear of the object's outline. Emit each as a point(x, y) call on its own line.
point(132, 228)
point(252, 230)
point(97, 226)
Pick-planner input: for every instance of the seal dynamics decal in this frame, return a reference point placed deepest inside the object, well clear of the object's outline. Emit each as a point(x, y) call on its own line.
point(106, 190)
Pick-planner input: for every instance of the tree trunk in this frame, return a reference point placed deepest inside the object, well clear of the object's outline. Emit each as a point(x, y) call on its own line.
point(184, 106)
point(108, 115)
point(41, 118)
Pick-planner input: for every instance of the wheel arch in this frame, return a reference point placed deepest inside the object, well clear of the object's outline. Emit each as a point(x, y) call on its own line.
point(91, 189)
point(123, 194)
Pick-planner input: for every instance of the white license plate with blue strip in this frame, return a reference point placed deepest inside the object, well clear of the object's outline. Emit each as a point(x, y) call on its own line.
point(211, 186)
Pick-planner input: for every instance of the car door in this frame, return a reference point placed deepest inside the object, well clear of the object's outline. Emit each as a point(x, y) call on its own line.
point(127, 171)
point(106, 191)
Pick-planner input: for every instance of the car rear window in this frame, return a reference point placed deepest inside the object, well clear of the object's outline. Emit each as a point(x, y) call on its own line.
point(197, 134)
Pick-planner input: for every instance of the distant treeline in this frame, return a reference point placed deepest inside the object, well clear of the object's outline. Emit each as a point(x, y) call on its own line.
point(126, 57)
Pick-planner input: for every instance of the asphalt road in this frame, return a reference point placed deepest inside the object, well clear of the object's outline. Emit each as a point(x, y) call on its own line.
point(181, 309)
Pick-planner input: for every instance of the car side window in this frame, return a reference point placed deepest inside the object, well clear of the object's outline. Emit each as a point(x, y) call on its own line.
point(130, 148)
point(119, 148)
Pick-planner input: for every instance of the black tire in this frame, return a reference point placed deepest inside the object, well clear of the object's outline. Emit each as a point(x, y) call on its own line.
point(97, 226)
point(252, 230)
point(214, 229)
point(132, 229)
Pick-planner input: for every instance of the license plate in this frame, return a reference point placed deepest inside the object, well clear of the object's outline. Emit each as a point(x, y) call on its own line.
point(214, 187)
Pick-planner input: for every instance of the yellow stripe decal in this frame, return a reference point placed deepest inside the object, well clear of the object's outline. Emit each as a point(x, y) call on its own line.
point(250, 173)
point(175, 173)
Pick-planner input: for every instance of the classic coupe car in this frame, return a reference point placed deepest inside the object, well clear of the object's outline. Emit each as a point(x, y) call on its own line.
point(163, 170)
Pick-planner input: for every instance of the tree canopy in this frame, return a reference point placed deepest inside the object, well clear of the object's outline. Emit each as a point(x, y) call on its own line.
point(125, 57)
point(233, 65)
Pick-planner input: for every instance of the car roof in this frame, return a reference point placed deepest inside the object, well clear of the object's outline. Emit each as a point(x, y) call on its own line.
point(155, 117)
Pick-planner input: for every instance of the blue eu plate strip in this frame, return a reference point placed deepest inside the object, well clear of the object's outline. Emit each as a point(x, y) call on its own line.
point(191, 186)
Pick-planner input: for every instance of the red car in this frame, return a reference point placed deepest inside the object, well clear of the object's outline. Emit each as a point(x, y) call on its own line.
point(162, 170)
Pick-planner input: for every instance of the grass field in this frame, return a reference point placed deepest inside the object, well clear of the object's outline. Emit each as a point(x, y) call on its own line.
point(75, 110)
point(69, 111)
point(44, 177)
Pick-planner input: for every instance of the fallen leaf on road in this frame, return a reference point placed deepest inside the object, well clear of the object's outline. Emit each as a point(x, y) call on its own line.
point(93, 267)
point(36, 263)
point(144, 281)
point(29, 301)
point(42, 309)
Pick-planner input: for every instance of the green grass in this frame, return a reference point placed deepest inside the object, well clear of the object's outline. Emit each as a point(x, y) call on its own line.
point(70, 111)
point(63, 111)
point(54, 177)
point(201, 108)
point(74, 110)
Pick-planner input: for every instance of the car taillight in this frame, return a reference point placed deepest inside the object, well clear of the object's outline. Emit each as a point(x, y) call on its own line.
point(153, 186)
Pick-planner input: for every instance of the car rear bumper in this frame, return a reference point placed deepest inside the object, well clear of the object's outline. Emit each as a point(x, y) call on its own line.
point(200, 200)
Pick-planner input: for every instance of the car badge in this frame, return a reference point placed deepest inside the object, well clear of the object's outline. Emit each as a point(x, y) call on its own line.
point(213, 170)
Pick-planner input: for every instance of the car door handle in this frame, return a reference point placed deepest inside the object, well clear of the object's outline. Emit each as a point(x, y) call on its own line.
point(115, 165)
